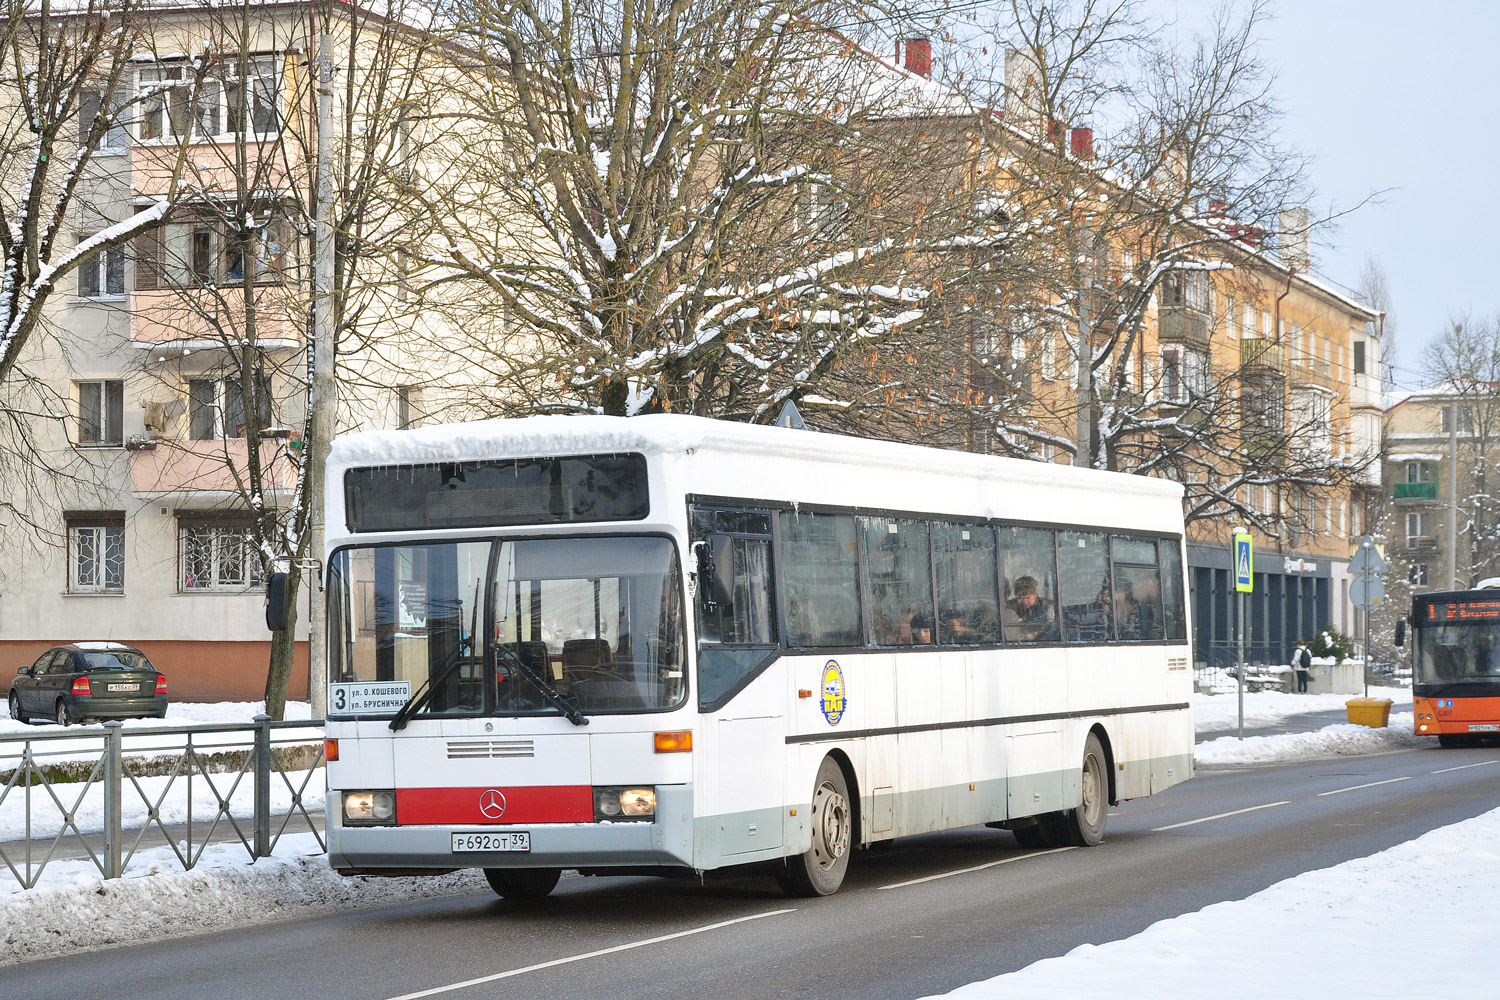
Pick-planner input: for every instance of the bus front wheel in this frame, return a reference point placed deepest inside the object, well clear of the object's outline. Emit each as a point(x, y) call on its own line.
point(820, 870)
point(522, 883)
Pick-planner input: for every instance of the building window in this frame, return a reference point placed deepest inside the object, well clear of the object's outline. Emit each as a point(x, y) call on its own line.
point(96, 553)
point(1359, 357)
point(1416, 575)
point(102, 274)
point(116, 135)
point(198, 249)
point(223, 104)
point(1418, 527)
point(217, 554)
point(1312, 419)
point(1184, 374)
point(1465, 420)
point(101, 412)
point(1232, 318)
point(1419, 472)
point(216, 408)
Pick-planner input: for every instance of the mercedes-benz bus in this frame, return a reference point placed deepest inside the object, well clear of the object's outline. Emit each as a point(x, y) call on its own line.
point(677, 645)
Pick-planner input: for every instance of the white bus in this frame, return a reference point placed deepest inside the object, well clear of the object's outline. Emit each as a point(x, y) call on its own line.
point(674, 644)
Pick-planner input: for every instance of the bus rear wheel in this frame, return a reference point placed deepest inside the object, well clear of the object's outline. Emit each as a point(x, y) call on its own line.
point(1083, 826)
point(820, 870)
point(522, 883)
point(1456, 740)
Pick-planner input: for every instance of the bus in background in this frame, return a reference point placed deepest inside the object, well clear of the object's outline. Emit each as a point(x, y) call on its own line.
point(1455, 682)
point(677, 645)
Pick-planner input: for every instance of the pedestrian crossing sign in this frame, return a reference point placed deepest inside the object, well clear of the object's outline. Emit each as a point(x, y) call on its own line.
point(1244, 563)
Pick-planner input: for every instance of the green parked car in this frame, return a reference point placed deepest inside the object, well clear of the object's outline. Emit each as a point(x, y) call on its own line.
point(88, 680)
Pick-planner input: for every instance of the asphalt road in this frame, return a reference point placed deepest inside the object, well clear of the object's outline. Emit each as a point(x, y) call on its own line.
point(931, 914)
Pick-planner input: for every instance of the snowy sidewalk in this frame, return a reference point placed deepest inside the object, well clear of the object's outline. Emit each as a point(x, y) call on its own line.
point(1320, 934)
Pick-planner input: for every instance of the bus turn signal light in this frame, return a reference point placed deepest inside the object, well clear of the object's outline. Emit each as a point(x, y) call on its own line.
point(679, 742)
point(330, 749)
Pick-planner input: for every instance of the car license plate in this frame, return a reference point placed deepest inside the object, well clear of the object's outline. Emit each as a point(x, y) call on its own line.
point(1487, 727)
point(464, 843)
point(123, 688)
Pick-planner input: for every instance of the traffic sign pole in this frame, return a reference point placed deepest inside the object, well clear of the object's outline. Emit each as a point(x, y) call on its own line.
point(1244, 584)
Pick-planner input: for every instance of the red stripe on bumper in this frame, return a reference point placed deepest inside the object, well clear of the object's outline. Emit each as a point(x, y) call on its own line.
point(529, 804)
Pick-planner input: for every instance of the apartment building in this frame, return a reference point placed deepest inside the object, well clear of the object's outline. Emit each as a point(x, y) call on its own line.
point(1425, 464)
point(182, 358)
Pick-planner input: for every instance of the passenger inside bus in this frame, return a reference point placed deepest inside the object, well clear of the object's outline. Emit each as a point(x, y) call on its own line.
point(1028, 618)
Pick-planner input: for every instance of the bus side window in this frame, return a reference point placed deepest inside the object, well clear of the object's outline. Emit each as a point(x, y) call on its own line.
point(1084, 586)
point(820, 570)
point(1174, 606)
point(1137, 589)
point(1028, 564)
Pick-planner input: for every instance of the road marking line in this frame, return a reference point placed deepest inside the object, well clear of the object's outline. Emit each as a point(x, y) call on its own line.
point(588, 955)
point(1205, 819)
point(1369, 784)
point(1460, 767)
point(976, 868)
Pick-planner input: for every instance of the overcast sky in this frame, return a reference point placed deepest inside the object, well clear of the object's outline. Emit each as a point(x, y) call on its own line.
point(1404, 98)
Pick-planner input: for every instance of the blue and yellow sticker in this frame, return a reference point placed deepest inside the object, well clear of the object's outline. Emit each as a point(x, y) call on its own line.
point(833, 692)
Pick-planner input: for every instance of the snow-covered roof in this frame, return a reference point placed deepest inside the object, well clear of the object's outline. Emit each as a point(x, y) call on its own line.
point(1414, 456)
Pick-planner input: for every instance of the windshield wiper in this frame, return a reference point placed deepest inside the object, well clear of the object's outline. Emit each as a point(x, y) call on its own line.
point(424, 693)
point(553, 695)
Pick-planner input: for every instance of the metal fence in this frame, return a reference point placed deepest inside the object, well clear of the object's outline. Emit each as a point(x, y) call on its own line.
point(60, 777)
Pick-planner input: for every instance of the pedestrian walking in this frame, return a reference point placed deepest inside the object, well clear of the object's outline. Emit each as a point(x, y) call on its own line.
point(1302, 663)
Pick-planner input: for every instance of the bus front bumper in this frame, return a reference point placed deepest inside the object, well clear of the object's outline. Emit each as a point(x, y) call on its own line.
point(666, 842)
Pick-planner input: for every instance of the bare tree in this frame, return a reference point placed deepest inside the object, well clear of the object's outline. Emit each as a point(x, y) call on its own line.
point(228, 278)
point(707, 207)
point(1463, 364)
point(62, 99)
point(1140, 179)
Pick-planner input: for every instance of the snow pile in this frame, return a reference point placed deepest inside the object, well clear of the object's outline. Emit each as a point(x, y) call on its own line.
point(75, 911)
point(1340, 740)
point(1213, 712)
point(1320, 934)
point(184, 713)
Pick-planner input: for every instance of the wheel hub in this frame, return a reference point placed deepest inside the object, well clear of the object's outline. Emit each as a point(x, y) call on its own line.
point(831, 826)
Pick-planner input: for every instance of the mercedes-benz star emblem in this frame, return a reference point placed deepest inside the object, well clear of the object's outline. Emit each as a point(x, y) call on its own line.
point(492, 803)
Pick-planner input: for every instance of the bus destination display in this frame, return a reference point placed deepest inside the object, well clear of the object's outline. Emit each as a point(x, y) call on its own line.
point(1462, 611)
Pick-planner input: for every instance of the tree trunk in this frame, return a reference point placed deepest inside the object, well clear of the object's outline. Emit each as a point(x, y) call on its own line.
point(283, 648)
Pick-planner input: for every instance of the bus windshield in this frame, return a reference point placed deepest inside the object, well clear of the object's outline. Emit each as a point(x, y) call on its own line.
point(1458, 654)
point(598, 619)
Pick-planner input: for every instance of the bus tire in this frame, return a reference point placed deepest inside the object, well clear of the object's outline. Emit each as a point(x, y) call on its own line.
point(1083, 826)
point(820, 870)
point(522, 884)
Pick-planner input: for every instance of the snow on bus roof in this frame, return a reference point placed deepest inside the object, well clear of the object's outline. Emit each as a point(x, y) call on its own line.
point(673, 432)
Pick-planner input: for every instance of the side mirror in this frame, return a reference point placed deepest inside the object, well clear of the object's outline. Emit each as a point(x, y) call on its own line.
point(716, 569)
point(24, 670)
point(276, 602)
point(1401, 632)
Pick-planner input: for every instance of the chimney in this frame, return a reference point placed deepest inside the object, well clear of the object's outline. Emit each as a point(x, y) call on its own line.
point(1022, 87)
point(918, 53)
point(1081, 141)
point(1294, 239)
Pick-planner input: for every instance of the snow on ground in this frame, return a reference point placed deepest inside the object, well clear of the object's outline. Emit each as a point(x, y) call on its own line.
point(1319, 934)
point(180, 713)
point(75, 911)
point(1338, 740)
point(1214, 712)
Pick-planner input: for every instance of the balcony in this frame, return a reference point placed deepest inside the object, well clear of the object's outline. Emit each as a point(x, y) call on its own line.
point(1183, 325)
point(1417, 543)
point(1262, 354)
point(195, 316)
point(1415, 491)
point(180, 466)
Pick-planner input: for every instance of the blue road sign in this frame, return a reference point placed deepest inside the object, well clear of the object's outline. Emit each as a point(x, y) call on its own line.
point(1244, 563)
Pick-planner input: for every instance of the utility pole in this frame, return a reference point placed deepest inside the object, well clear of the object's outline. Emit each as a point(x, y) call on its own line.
point(321, 399)
point(1243, 556)
point(1453, 496)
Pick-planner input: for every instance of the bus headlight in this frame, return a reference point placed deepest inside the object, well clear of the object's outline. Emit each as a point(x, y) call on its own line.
point(624, 804)
point(375, 808)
